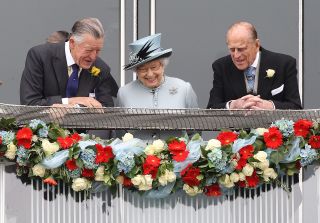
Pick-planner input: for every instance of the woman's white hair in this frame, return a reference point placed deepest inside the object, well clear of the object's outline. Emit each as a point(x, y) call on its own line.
point(164, 61)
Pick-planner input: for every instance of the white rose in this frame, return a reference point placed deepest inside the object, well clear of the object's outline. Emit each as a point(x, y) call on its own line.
point(159, 145)
point(127, 137)
point(34, 138)
point(234, 177)
point(99, 176)
point(269, 173)
point(261, 156)
point(263, 165)
point(169, 176)
point(261, 131)
point(213, 144)
point(146, 183)
point(150, 150)
point(81, 184)
point(192, 191)
point(242, 177)
point(137, 180)
point(226, 181)
point(49, 148)
point(11, 151)
point(38, 170)
point(247, 170)
point(270, 73)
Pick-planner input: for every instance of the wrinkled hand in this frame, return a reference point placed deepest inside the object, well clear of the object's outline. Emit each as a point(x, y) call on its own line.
point(251, 102)
point(86, 101)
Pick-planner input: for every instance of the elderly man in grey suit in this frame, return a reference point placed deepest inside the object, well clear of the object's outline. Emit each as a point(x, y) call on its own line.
point(252, 77)
point(70, 72)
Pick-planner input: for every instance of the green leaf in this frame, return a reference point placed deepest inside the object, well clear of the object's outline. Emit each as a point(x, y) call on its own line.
point(276, 157)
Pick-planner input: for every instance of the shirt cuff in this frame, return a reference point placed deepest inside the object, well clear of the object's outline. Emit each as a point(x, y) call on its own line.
point(65, 101)
point(228, 104)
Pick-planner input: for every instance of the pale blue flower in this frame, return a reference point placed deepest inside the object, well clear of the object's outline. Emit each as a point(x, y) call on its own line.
point(43, 132)
point(285, 126)
point(7, 137)
point(218, 159)
point(126, 162)
point(34, 124)
point(22, 155)
point(308, 155)
point(74, 173)
point(88, 157)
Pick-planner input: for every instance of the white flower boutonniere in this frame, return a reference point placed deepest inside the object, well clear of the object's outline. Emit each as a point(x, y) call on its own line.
point(95, 71)
point(270, 73)
point(173, 90)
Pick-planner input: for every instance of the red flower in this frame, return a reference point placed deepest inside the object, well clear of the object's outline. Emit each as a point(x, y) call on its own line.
point(87, 173)
point(189, 175)
point(227, 137)
point(298, 165)
point(176, 146)
point(76, 137)
point(104, 154)
point(241, 163)
point(213, 190)
point(273, 138)
point(181, 156)
point(71, 165)
point(65, 143)
point(301, 127)
point(151, 165)
point(50, 181)
point(246, 152)
point(253, 180)
point(314, 142)
point(2, 154)
point(127, 182)
point(0, 140)
point(178, 150)
point(24, 137)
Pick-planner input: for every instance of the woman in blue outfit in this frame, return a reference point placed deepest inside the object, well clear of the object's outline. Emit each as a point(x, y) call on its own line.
point(154, 89)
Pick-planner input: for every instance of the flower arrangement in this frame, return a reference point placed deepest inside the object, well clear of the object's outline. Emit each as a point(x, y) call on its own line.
point(234, 159)
point(95, 71)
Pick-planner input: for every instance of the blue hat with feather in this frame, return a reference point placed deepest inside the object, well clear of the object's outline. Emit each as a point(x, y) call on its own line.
point(145, 50)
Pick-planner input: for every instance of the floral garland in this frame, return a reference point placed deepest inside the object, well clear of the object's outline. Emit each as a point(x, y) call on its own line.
point(234, 159)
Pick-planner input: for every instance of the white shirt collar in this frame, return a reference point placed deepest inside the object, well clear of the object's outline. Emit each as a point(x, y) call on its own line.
point(69, 58)
point(255, 62)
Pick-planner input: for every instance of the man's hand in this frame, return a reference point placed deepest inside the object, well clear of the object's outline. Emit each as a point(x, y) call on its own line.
point(86, 101)
point(251, 102)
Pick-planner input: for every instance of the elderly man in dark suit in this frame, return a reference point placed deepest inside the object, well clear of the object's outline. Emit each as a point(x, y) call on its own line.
point(71, 72)
point(252, 77)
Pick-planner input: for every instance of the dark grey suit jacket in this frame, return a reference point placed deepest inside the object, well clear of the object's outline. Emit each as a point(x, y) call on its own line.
point(45, 76)
point(229, 82)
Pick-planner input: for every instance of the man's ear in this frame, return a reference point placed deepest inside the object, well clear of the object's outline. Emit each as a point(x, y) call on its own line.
point(71, 42)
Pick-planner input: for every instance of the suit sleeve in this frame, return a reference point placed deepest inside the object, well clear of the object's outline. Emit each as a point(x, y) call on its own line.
point(217, 98)
point(106, 89)
point(31, 84)
point(291, 98)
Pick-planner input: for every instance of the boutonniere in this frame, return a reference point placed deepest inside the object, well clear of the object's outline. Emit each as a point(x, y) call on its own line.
point(95, 71)
point(270, 73)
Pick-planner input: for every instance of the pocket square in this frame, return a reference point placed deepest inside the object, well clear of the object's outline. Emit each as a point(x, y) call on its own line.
point(277, 90)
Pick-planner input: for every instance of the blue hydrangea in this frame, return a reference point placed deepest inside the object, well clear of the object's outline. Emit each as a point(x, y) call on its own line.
point(34, 123)
point(211, 180)
point(126, 162)
point(285, 126)
point(308, 155)
point(7, 137)
point(88, 157)
point(218, 159)
point(43, 132)
point(74, 173)
point(22, 155)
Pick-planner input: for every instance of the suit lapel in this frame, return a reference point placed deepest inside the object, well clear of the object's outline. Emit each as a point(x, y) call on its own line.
point(264, 84)
point(61, 69)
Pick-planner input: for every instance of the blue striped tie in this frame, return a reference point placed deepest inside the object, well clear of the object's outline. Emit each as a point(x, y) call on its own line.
point(73, 82)
point(250, 78)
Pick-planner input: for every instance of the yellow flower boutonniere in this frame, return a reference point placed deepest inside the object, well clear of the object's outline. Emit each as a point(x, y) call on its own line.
point(95, 71)
point(270, 73)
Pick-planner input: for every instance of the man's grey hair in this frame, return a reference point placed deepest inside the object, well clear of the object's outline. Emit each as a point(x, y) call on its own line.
point(90, 26)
